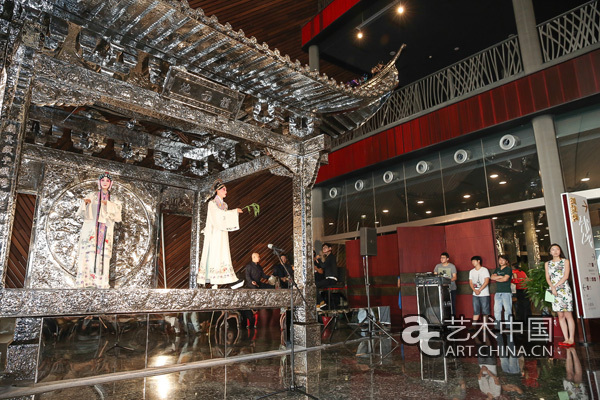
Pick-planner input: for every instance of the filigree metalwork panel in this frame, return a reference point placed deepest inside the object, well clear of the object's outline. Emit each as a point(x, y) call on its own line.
point(201, 93)
point(53, 257)
point(59, 83)
point(177, 200)
point(569, 32)
point(56, 302)
point(186, 37)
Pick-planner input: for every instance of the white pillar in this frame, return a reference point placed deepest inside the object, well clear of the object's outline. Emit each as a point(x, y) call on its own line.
point(531, 52)
point(313, 57)
point(551, 173)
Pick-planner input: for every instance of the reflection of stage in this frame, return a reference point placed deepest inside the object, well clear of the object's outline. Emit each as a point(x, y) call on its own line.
point(55, 302)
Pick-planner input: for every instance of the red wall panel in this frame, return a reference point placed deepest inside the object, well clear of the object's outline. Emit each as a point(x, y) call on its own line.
point(559, 84)
point(384, 264)
point(464, 241)
point(326, 17)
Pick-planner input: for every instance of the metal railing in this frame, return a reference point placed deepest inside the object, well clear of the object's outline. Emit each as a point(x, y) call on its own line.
point(565, 34)
point(571, 31)
point(487, 67)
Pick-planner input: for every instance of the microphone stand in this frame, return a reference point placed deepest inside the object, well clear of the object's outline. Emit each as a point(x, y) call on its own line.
point(292, 388)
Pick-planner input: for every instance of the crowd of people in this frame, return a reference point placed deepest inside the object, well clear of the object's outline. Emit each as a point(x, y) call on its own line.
point(511, 284)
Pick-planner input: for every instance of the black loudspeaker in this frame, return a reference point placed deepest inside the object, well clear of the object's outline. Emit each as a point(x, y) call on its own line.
point(368, 241)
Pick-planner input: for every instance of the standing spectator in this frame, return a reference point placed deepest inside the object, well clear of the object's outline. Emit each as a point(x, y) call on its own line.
point(282, 269)
point(446, 268)
point(326, 271)
point(503, 297)
point(522, 305)
point(557, 275)
point(479, 280)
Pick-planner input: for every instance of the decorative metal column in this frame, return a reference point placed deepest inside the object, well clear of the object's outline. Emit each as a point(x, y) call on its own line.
point(17, 75)
point(197, 238)
point(307, 331)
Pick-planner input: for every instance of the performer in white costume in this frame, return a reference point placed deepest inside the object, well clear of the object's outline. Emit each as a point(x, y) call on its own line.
point(215, 264)
point(100, 212)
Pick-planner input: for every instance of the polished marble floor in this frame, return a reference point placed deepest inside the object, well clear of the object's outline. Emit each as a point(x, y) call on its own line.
point(359, 369)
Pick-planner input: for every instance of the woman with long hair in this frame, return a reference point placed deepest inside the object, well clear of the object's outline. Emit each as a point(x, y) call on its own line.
point(215, 264)
point(557, 275)
point(100, 212)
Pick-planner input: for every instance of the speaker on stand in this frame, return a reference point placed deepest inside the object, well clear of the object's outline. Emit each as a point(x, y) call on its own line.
point(368, 247)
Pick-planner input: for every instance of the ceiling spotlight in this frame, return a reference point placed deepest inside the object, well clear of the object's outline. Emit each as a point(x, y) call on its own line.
point(363, 216)
point(430, 57)
point(494, 217)
point(466, 196)
point(400, 9)
point(537, 230)
point(502, 183)
point(386, 211)
point(420, 202)
point(427, 212)
point(456, 48)
point(331, 223)
point(540, 223)
point(493, 176)
point(546, 234)
point(519, 221)
point(359, 35)
point(585, 179)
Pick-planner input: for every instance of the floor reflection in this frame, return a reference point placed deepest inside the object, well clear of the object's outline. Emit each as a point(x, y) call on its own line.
point(368, 369)
point(88, 346)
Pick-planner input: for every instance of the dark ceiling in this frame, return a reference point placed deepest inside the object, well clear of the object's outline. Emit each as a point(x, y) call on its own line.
point(437, 32)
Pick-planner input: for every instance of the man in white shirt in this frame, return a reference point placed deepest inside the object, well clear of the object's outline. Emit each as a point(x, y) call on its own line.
point(479, 280)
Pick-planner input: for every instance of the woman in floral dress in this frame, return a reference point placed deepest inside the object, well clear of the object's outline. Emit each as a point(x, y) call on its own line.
point(557, 276)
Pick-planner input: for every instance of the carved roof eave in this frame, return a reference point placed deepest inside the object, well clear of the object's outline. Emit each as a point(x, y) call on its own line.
point(182, 36)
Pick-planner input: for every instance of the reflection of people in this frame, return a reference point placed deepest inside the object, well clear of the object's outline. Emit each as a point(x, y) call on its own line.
point(557, 276)
point(503, 296)
point(282, 269)
point(100, 212)
point(573, 382)
point(446, 268)
point(215, 264)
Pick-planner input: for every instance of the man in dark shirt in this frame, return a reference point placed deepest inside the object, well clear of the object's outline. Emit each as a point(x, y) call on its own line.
point(326, 269)
point(503, 297)
point(282, 270)
point(254, 274)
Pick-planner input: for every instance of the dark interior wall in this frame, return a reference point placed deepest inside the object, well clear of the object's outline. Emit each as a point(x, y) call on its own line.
point(177, 236)
point(16, 270)
point(274, 224)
